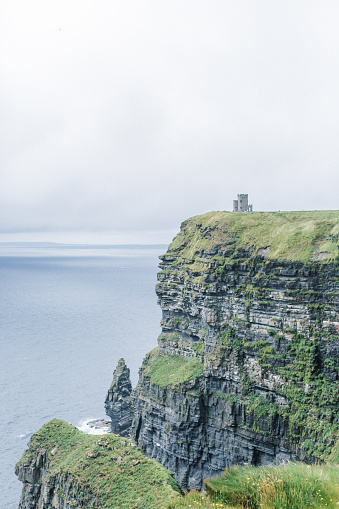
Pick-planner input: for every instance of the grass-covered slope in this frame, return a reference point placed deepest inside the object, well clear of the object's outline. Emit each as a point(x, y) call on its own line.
point(293, 486)
point(292, 236)
point(119, 475)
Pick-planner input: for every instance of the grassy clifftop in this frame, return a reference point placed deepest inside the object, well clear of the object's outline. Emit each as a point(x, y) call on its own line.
point(293, 236)
point(118, 474)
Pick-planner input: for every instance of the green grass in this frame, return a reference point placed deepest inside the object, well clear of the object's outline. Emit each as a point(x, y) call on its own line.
point(120, 476)
point(199, 347)
point(171, 370)
point(293, 236)
point(169, 336)
point(334, 456)
point(197, 500)
point(293, 486)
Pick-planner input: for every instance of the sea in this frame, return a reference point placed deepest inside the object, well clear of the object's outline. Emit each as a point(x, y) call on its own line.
point(68, 313)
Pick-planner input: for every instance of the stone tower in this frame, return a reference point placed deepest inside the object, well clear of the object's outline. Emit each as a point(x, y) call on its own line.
point(241, 204)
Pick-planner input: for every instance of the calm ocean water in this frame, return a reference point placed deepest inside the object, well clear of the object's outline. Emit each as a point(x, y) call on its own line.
point(67, 314)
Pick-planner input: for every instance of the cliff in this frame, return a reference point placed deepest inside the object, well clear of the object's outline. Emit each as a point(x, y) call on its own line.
point(64, 468)
point(246, 370)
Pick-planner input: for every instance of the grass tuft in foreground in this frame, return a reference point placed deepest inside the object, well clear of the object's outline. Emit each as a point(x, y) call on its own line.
point(293, 486)
point(196, 499)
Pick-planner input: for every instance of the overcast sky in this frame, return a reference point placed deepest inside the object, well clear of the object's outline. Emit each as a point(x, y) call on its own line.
point(120, 119)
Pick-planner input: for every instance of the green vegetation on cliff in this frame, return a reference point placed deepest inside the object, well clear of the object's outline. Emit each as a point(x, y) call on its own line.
point(292, 236)
point(118, 474)
point(293, 486)
point(171, 370)
point(280, 272)
point(312, 414)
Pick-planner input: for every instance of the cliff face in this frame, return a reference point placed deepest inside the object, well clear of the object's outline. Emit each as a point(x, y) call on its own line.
point(246, 369)
point(41, 491)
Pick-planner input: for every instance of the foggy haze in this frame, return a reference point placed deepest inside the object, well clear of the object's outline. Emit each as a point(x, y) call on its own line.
point(120, 119)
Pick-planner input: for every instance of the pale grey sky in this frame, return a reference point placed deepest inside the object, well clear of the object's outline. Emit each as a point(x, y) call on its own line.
point(120, 119)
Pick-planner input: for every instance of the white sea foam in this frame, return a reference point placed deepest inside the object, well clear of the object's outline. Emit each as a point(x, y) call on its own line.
point(94, 426)
point(24, 435)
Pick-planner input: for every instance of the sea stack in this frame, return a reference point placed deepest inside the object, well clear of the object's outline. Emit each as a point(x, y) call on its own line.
point(118, 400)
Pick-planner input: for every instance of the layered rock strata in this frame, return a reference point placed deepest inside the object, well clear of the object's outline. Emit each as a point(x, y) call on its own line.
point(246, 369)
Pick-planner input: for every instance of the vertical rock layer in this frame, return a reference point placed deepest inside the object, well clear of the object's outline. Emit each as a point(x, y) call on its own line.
point(246, 369)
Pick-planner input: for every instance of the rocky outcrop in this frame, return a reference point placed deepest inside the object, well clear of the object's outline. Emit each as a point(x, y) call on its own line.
point(118, 400)
point(31, 473)
point(41, 491)
point(246, 369)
